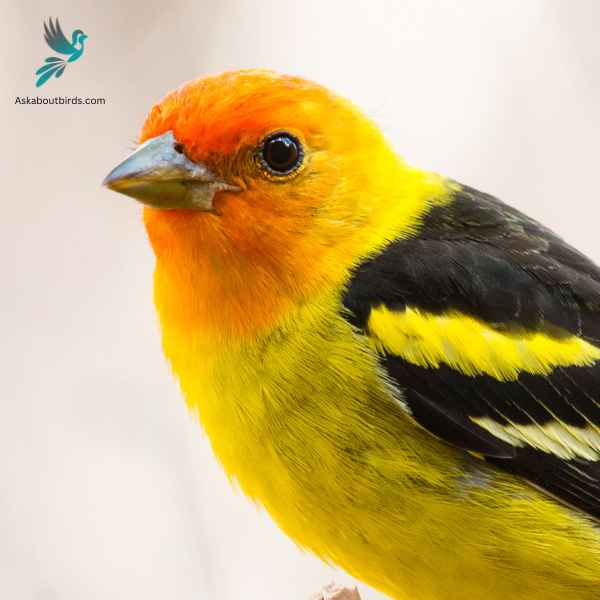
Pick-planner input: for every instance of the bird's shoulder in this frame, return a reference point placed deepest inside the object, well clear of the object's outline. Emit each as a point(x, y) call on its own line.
point(489, 323)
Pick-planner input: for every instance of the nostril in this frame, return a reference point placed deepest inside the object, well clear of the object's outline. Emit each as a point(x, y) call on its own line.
point(178, 148)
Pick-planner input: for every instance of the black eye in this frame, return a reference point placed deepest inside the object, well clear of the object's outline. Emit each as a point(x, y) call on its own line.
point(281, 153)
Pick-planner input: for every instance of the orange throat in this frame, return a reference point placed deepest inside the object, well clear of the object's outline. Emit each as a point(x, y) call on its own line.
point(228, 287)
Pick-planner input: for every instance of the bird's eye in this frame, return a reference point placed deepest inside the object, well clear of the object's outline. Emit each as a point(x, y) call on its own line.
point(281, 153)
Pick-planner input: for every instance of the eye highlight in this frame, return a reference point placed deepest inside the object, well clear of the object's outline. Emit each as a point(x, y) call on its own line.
point(281, 153)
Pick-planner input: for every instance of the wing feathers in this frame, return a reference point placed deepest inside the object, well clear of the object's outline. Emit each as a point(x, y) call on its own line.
point(490, 325)
point(55, 38)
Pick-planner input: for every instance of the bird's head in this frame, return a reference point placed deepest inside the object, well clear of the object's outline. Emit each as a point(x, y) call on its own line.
point(260, 190)
point(78, 37)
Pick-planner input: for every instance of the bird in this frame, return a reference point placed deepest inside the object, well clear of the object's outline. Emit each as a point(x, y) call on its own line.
point(402, 370)
point(55, 38)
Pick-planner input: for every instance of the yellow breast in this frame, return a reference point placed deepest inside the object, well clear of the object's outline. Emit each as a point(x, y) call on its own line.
point(305, 422)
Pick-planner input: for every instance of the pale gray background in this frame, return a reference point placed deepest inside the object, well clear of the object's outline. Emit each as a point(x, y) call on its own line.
point(108, 488)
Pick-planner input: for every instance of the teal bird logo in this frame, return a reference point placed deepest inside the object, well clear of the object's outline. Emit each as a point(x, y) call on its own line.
point(54, 36)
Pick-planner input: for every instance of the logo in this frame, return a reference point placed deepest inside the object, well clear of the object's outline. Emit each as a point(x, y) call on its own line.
point(56, 39)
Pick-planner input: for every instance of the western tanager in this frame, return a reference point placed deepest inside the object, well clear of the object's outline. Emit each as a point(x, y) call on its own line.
point(404, 371)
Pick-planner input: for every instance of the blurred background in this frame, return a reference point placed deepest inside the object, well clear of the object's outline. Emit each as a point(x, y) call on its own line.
point(108, 488)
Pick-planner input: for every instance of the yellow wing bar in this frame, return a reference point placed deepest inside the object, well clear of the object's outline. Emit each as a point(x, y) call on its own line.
point(471, 346)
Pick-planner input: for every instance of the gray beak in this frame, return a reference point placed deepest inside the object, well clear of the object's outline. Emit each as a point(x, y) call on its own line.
point(158, 175)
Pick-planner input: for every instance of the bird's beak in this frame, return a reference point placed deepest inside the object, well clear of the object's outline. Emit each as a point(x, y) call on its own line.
point(158, 175)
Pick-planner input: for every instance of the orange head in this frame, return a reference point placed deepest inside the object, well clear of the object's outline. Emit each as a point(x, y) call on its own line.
point(263, 190)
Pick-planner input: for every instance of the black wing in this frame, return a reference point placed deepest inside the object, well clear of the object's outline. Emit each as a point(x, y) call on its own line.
point(481, 261)
point(55, 38)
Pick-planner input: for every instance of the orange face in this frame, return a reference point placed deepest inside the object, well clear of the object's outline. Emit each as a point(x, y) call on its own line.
point(222, 122)
point(299, 178)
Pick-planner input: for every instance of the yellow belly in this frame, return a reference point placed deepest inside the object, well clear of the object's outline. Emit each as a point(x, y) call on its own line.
point(305, 423)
